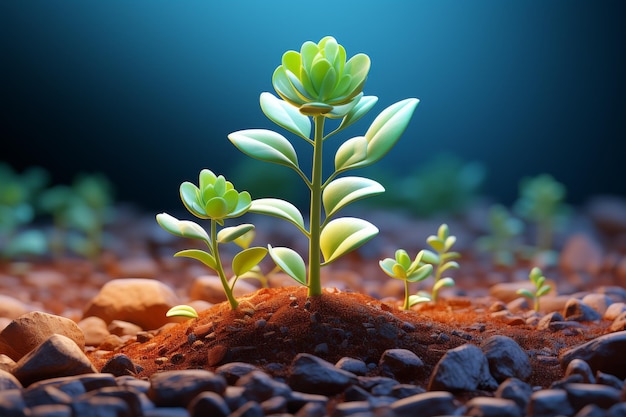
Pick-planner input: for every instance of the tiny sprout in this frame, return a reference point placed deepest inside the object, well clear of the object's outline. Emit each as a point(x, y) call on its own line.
point(402, 268)
point(182, 311)
point(441, 259)
point(504, 230)
point(541, 288)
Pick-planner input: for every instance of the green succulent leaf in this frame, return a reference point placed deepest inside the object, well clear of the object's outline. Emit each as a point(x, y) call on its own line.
point(278, 208)
point(190, 196)
point(246, 239)
point(418, 299)
point(182, 228)
point(543, 290)
point(290, 262)
point(449, 255)
point(435, 243)
point(387, 265)
point(399, 272)
point(230, 234)
point(351, 153)
point(200, 255)
point(448, 265)
point(416, 262)
point(420, 273)
point(343, 191)
point(182, 311)
point(449, 242)
point(403, 259)
point(361, 108)
point(386, 130)
point(285, 115)
point(265, 145)
point(430, 257)
point(247, 259)
point(443, 282)
point(526, 293)
point(343, 235)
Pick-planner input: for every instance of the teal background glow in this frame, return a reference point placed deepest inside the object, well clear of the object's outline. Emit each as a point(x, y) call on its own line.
point(147, 91)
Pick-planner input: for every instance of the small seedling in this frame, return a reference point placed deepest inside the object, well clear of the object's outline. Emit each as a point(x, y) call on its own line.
point(541, 288)
point(502, 242)
point(441, 259)
point(182, 311)
point(402, 268)
point(541, 202)
point(318, 84)
point(216, 199)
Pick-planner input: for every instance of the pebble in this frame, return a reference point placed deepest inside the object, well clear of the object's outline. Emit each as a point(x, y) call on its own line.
point(355, 366)
point(506, 358)
point(492, 407)
point(94, 329)
point(178, 388)
point(462, 368)
point(28, 331)
point(11, 308)
point(516, 390)
point(614, 310)
point(599, 302)
point(311, 374)
point(576, 310)
point(550, 403)
point(135, 300)
point(580, 395)
point(581, 368)
point(605, 354)
point(619, 324)
point(401, 364)
point(428, 404)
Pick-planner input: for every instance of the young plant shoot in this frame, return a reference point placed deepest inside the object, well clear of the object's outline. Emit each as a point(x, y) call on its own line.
point(402, 268)
point(441, 259)
point(215, 199)
point(541, 288)
point(314, 85)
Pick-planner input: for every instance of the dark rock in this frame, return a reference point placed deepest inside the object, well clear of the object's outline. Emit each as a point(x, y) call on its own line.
point(312, 410)
point(549, 403)
point(274, 405)
point(462, 368)
point(618, 410)
point(401, 364)
point(609, 380)
point(12, 403)
point(545, 321)
point(354, 408)
point(405, 390)
point(356, 393)
point(106, 406)
point(45, 394)
point(428, 404)
point(506, 358)
point(178, 388)
point(259, 386)
point(591, 410)
point(119, 365)
point(8, 381)
point(576, 310)
point(516, 390)
point(57, 356)
point(297, 400)
point(208, 404)
point(491, 407)
point(605, 354)
point(234, 370)
point(582, 368)
point(50, 410)
point(355, 366)
point(311, 374)
point(580, 395)
point(136, 401)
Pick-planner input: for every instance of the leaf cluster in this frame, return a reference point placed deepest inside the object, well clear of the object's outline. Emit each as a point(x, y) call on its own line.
point(541, 288)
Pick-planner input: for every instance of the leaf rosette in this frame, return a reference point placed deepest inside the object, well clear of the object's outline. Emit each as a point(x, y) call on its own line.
point(319, 81)
point(214, 198)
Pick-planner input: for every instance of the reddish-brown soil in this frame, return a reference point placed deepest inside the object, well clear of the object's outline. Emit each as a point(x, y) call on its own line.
point(272, 325)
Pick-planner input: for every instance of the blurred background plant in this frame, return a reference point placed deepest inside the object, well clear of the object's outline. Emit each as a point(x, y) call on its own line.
point(504, 239)
point(79, 213)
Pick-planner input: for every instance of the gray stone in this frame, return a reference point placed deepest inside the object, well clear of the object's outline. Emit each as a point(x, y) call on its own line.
point(506, 358)
point(8, 381)
point(311, 374)
point(576, 310)
point(428, 404)
point(591, 410)
point(619, 324)
point(604, 353)
point(401, 364)
point(12, 403)
point(57, 356)
point(599, 302)
point(105, 406)
point(582, 368)
point(119, 365)
point(462, 368)
point(580, 395)
point(45, 394)
point(178, 388)
point(234, 370)
point(549, 403)
point(610, 380)
point(259, 386)
point(516, 390)
point(249, 409)
point(50, 410)
point(208, 404)
point(614, 311)
point(545, 322)
point(137, 402)
point(355, 366)
point(618, 410)
point(491, 407)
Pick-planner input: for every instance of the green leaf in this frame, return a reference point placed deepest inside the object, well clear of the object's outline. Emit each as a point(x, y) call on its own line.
point(399, 272)
point(200, 255)
point(403, 259)
point(364, 105)
point(343, 191)
point(182, 228)
point(343, 235)
point(435, 243)
point(265, 145)
point(285, 115)
point(449, 242)
point(182, 311)
point(387, 265)
point(247, 259)
point(430, 257)
point(278, 208)
point(448, 265)
point(421, 273)
point(386, 130)
point(526, 293)
point(351, 153)
point(229, 234)
point(290, 262)
point(543, 290)
point(443, 282)
point(417, 299)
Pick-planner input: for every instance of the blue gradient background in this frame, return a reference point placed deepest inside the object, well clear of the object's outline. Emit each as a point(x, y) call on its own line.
point(146, 91)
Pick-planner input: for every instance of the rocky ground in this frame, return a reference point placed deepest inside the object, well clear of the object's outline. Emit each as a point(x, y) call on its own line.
point(84, 338)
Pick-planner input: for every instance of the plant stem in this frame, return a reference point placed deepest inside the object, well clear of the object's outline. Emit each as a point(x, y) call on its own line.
point(315, 215)
point(406, 295)
point(220, 269)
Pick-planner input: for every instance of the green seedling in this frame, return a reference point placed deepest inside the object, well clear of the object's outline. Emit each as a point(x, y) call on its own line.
point(216, 200)
point(541, 288)
point(441, 259)
point(402, 268)
point(18, 210)
point(502, 242)
point(541, 202)
point(314, 85)
point(182, 311)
